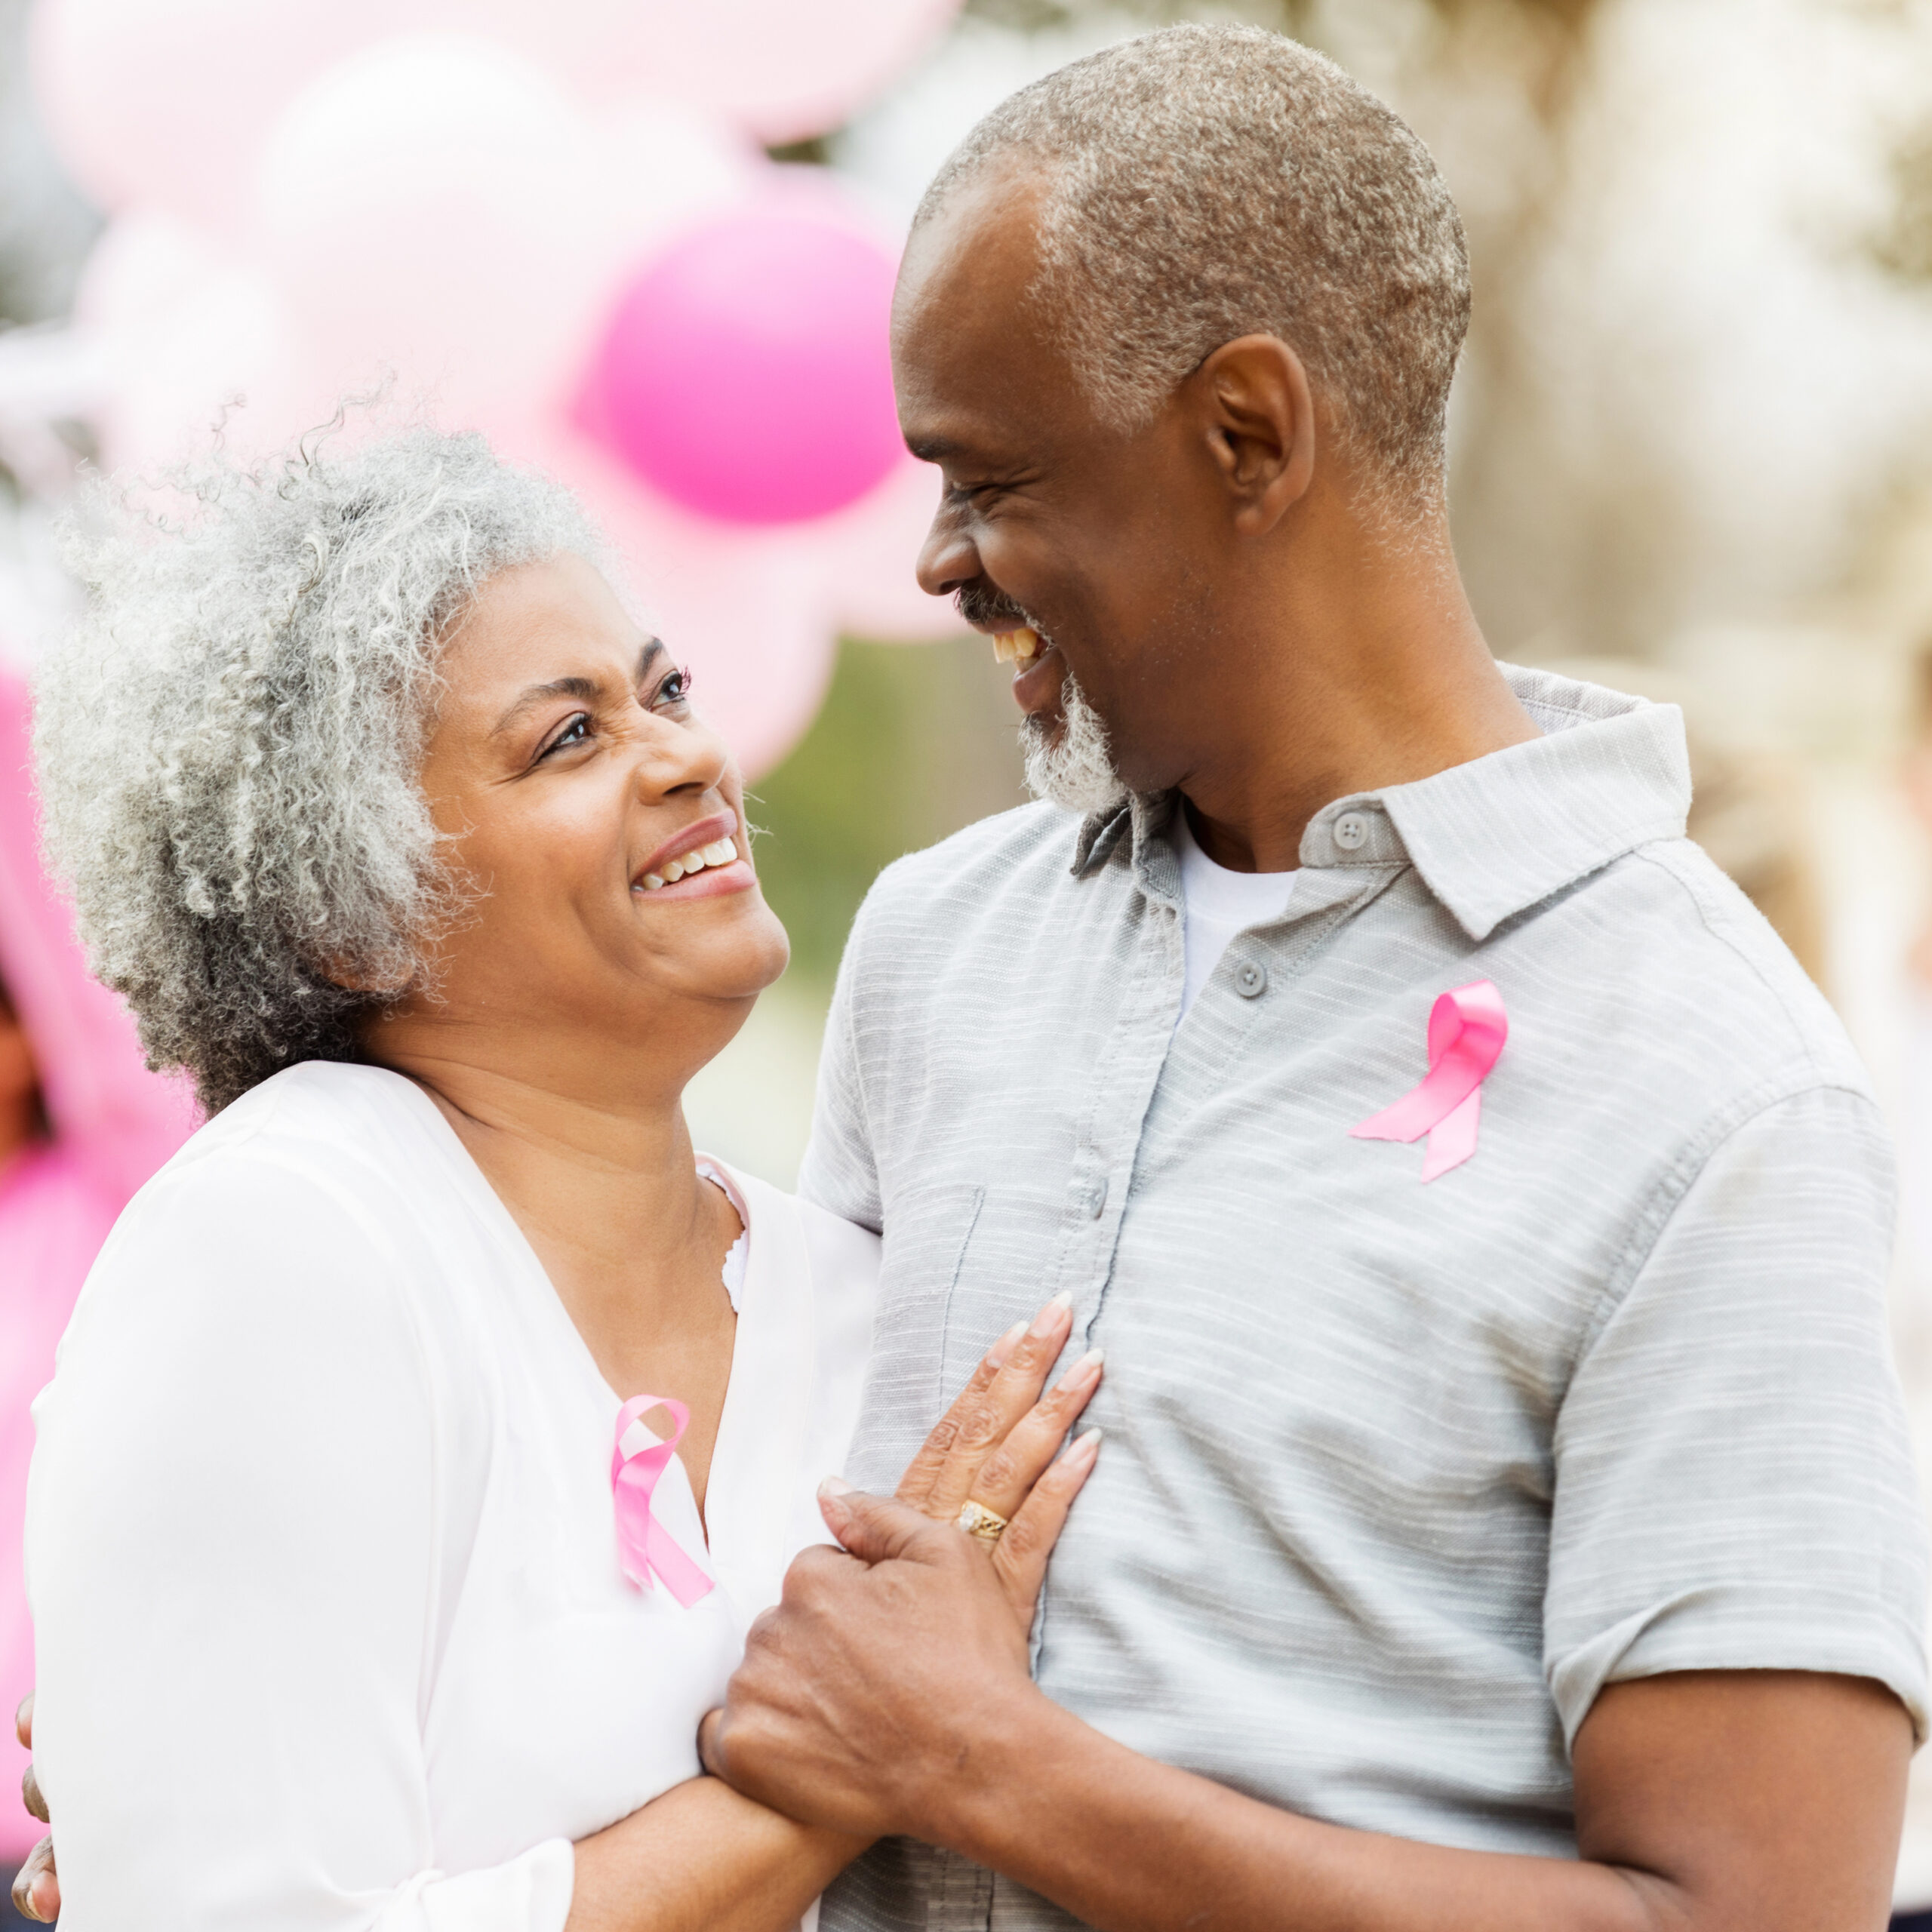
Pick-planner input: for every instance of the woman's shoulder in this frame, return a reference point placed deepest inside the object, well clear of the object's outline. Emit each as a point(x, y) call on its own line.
point(324, 1111)
point(301, 1264)
point(324, 1163)
point(361, 1135)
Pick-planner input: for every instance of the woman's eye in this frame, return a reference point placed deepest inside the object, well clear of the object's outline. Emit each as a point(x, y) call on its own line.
point(676, 689)
point(577, 732)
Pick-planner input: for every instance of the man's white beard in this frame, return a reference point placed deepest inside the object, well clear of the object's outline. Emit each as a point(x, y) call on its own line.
point(1075, 772)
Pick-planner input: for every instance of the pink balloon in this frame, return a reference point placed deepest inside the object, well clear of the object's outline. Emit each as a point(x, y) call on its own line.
point(747, 374)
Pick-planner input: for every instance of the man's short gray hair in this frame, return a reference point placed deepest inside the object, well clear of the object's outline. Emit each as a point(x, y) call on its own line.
point(1205, 182)
point(229, 743)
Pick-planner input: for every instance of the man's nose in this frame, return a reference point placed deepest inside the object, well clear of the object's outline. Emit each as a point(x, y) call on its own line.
point(948, 560)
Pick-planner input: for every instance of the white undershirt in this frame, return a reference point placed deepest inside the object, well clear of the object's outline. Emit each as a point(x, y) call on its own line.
point(1220, 904)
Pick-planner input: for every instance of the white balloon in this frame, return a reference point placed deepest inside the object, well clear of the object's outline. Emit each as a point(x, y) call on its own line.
point(781, 69)
point(190, 339)
point(432, 204)
point(166, 102)
point(662, 166)
point(144, 261)
point(865, 558)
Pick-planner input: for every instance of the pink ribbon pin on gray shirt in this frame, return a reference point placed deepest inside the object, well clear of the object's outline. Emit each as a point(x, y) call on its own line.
point(1466, 1030)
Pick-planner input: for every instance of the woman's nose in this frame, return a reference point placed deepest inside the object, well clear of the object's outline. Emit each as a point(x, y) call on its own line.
point(686, 758)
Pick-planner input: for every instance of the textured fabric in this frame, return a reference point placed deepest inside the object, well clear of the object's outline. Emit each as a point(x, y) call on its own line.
point(1397, 1477)
point(1218, 906)
point(320, 1539)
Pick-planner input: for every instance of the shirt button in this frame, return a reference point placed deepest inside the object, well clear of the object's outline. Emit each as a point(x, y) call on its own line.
point(1096, 1198)
point(1351, 832)
point(1251, 981)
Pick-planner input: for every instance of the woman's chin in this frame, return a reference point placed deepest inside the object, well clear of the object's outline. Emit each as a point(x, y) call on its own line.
point(733, 949)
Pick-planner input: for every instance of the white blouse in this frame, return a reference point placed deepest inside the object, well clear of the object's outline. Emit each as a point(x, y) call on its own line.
point(320, 1545)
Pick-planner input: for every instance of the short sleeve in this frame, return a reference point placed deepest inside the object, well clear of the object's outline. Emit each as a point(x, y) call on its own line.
point(840, 1170)
point(1734, 1486)
point(233, 1527)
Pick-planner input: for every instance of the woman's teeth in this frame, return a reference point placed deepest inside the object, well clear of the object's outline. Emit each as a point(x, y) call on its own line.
point(1020, 647)
point(719, 852)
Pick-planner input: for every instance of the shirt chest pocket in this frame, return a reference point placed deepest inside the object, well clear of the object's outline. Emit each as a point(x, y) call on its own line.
point(962, 1263)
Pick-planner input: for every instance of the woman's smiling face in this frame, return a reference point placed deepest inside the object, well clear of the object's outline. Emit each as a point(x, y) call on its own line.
point(590, 810)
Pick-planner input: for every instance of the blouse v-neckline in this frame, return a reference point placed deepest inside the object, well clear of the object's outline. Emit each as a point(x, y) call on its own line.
point(762, 1426)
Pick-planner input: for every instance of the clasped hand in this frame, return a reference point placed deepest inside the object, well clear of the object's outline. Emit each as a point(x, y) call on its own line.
point(858, 1694)
point(869, 1699)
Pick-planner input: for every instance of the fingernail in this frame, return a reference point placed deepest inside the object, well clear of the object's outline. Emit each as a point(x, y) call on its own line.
point(1085, 1370)
point(1005, 1345)
point(1084, 1449)
point(1047, 1320)
point(833, 1486)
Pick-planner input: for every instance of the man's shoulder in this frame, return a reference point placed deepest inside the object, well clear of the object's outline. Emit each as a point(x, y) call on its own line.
point(1015, 859)
point(1688, 957)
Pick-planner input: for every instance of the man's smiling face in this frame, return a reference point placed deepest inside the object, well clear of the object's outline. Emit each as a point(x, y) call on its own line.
point(1104, 542)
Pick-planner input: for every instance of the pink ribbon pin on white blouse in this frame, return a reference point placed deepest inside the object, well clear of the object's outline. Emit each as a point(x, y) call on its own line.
point(1466, 1031)
point(645, 1547)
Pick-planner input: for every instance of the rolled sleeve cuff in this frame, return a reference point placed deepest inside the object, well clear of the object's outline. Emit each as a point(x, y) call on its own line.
point(1734, 1627)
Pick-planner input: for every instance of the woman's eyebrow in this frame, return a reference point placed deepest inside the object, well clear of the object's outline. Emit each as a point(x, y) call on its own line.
point(535, 694)
point(585, 688)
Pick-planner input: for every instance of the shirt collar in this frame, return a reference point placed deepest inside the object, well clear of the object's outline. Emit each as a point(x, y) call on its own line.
point(1499, 833)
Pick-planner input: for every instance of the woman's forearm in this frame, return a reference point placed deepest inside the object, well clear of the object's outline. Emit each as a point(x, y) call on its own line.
point(702, 1859)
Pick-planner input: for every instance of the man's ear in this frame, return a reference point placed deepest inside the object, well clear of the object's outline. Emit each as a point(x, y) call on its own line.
point(1258, 414)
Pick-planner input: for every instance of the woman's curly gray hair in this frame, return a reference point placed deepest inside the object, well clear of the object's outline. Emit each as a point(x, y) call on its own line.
point(228, 741)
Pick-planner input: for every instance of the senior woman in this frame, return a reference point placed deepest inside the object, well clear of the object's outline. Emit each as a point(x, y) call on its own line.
point(369, 1591)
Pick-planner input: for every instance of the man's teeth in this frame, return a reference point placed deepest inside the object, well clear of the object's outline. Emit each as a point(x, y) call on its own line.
point(1020, 647)
point(719, 852)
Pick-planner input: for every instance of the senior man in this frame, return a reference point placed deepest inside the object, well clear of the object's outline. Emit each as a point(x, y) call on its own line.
point(1505, 1520)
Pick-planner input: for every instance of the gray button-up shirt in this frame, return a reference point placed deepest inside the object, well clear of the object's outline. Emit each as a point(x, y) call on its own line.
point(1398, 1475)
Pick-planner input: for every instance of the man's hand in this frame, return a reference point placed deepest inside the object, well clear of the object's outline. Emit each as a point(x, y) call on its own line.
point(861, 1696)
point(36, 1888)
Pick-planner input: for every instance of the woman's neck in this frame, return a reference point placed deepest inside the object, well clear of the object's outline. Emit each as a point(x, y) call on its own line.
point(602, 1180)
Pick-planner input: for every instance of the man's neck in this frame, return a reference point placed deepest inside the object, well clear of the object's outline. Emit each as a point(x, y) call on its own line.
point(1370, 673)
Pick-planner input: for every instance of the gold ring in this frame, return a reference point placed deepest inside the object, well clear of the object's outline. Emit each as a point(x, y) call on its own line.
point(977, 1520)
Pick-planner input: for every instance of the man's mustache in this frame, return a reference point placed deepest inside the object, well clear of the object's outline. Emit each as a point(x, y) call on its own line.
point(984, 606)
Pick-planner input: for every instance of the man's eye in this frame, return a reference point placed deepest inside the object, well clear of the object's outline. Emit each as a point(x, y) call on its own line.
point(577, 732)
